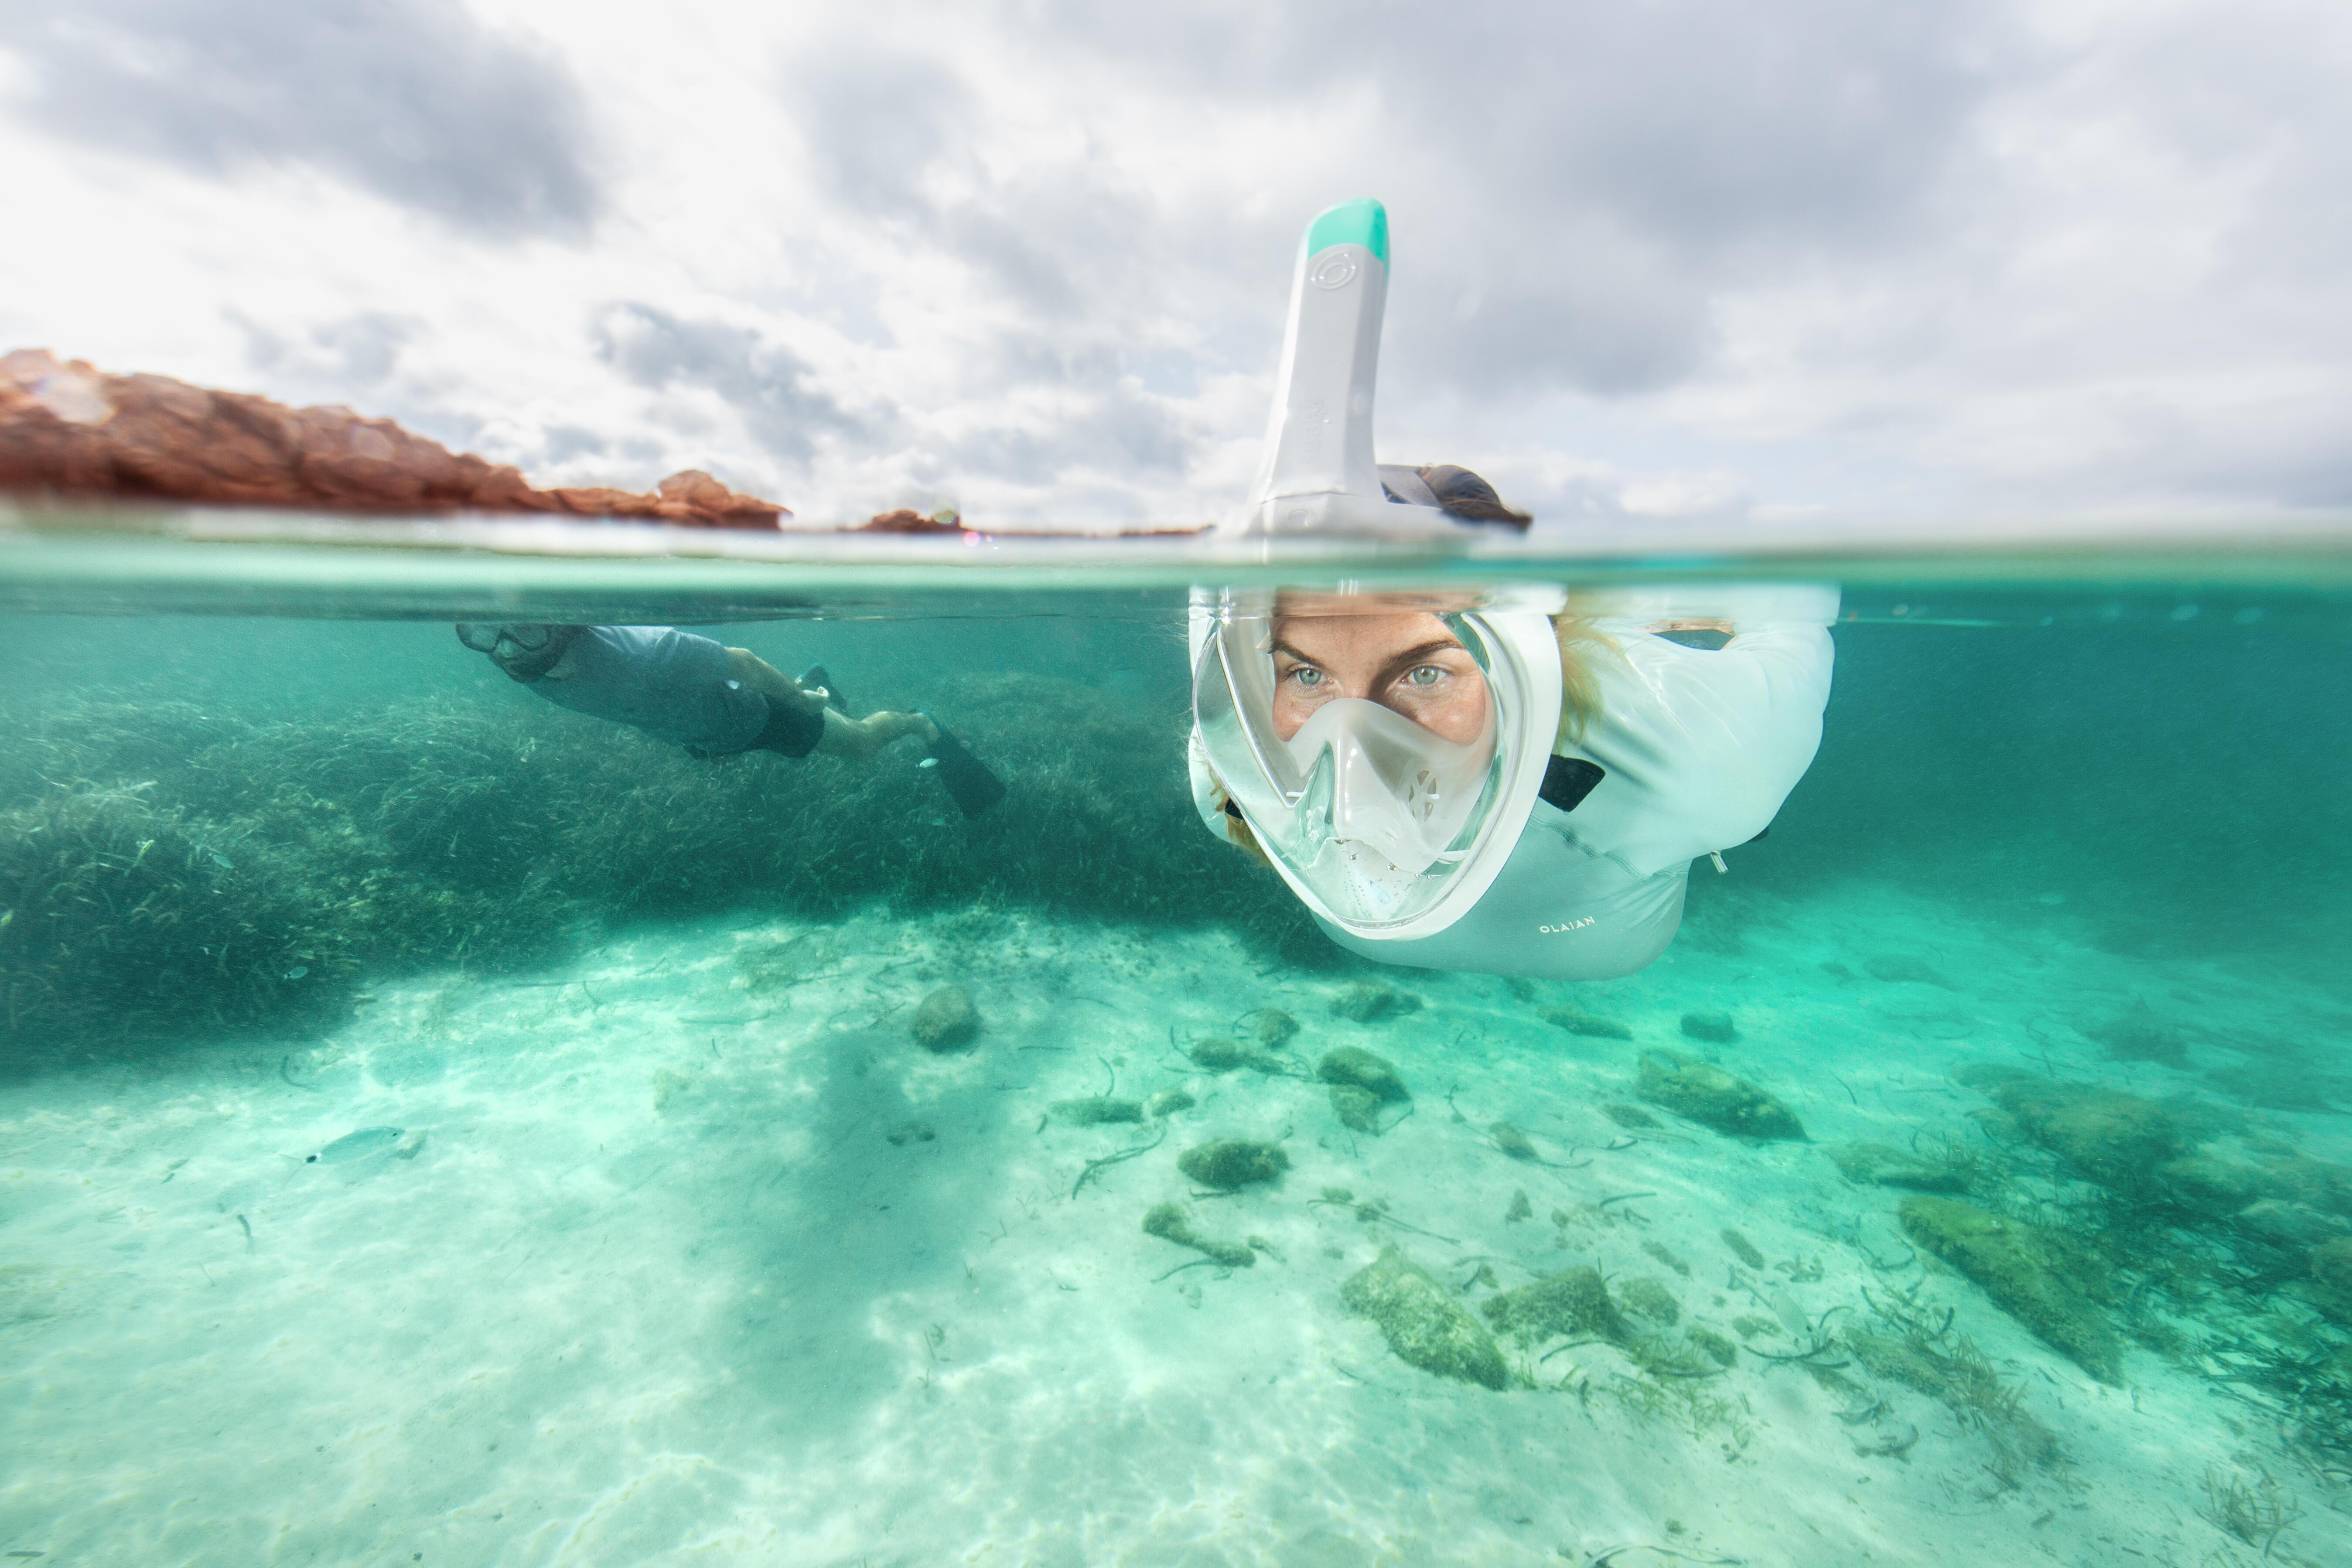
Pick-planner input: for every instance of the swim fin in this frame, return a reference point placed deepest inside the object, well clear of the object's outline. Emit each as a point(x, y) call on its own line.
point(815, 675)
point(967, 781)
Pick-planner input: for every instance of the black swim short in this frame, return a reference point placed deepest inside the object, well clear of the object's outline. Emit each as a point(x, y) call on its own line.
point(789, 732)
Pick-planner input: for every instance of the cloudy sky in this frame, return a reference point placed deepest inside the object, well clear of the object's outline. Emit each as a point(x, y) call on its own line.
point(1731, 257)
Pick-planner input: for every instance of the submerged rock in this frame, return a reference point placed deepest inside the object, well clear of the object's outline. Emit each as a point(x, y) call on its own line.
point(2283, 1223)
point(1513, 1142)
point(1220, 1055)
point(1096, 1110)
point(1363, 1001)
point(1363, 1069)
point(2138, 1035)
point(2331, 1265)
point(1714, 1098)
point(1423, 1323)
point(1901, 968)
point(1629, 1116)
point(946, 1021)
point(1578, 1023)
point(1744, 1249)
point(1647, 1298)
point(2115, 1139)
point(1231, 1163)
point(1717, 1028)
point(2034, 1275)
point(1168, 1102)
point(1271, 1028)
point(1169, 1222)
point(1574, 1304)
point(1877, 1164)
point(1358, 1110)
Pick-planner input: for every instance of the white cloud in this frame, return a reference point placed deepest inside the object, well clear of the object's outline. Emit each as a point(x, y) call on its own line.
point(1672, 260)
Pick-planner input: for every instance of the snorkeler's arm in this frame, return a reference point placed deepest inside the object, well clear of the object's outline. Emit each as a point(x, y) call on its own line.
point(1701, 747)
point(771, 683)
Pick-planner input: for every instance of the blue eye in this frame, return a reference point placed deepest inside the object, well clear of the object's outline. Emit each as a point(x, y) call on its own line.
point(1427, 675)
point(1308, 675)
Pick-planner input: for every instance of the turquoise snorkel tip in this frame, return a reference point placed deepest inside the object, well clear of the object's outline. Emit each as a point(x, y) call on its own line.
point(1361, 222)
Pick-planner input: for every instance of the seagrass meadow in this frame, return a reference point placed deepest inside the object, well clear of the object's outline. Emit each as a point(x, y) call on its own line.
point(437, 1127)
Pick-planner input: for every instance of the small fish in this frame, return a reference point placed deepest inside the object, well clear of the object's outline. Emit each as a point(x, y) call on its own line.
point(928, 763)
point(221, 860)
point(299, 971)
point(356, 1145)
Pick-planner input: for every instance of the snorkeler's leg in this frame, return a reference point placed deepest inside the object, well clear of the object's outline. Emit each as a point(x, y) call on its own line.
point(771, 683)
point(847, 737)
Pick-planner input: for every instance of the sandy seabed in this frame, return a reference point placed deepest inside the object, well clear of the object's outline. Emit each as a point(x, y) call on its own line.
point(688, 1253)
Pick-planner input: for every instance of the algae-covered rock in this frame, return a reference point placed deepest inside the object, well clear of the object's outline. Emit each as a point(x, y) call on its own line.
point(1357, 1108)
point(946, 1020)
point(1647, 1298)
point(1096, 1110)
point(1423, 1322)
point(1169, 1222)
point(2117, 1140)
point(1714, 1098)
point(1271, 1028)
point(1362, 1001)
point(1586, 1024)
point(1168, 1102)
point(2031, 1273)
point(1574, 1303)
point(1522, 1207)
point(2284, 1223)
point(2331, 1265)
point(1231, 1163)
point(1903, 969)
point(1631, 1117)
point(1715, 1028)
point(1877, 1164)
point(1744, 1249)
point(1717, 1348)
point(1362, 1069)
point(1959, 1375)
point(1221, 1055)
point(2210, 1184)
point(1513, 1142)
point(1217, 1054)
point(2139, 1036)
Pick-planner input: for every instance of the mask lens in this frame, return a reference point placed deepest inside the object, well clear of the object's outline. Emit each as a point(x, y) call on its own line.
point(527, 639)
point(481, 639)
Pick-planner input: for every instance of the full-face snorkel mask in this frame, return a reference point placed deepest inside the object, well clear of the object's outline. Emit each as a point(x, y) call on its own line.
point(1380, 825)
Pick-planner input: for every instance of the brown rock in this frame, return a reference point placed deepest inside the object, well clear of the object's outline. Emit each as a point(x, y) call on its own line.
point(67, 429)
point(908, 520)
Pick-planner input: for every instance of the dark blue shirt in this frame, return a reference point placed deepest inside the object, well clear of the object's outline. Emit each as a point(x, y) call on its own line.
point(671, 684)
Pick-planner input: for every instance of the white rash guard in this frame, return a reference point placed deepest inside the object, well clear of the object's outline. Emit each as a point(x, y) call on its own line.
point(1699, 750)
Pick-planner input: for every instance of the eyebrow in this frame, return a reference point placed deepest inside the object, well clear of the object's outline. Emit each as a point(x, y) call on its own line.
point(1410, 655)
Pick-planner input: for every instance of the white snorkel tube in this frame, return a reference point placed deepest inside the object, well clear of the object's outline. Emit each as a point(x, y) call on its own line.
point(1318, 475)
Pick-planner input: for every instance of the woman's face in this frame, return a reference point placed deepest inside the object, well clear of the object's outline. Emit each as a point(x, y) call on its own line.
point(1408, 662)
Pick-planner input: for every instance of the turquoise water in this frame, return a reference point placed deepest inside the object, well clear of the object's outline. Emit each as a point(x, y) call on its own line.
point(437, 1127)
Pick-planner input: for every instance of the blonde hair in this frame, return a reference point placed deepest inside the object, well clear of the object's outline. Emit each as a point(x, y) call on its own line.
point(1580, 643)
